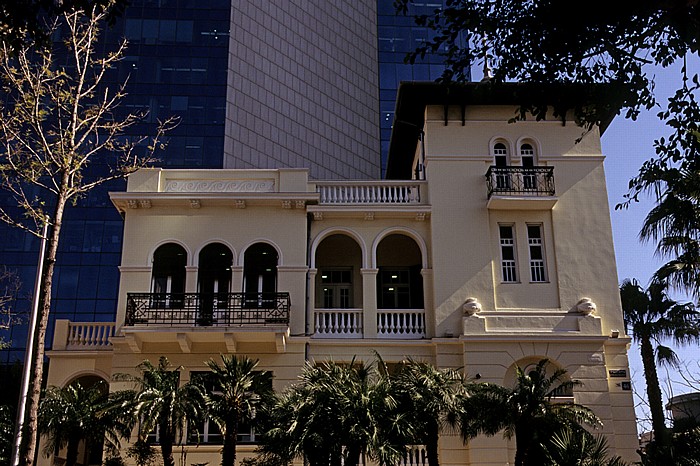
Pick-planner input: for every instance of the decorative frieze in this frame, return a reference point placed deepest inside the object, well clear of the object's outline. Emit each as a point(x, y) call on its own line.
point(220, 186)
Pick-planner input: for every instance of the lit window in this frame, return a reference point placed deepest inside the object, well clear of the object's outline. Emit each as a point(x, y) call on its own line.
point(508, 263)
point(538, 272)
point(336, 288)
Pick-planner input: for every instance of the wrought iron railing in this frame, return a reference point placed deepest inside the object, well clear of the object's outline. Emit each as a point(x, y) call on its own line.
point(202, 309)
point(520, 181)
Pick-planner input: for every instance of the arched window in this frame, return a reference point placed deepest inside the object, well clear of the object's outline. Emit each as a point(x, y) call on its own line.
point(260, 276)
point(168, 276)
point(214, 280)
point(500, 156)
point(527, 155)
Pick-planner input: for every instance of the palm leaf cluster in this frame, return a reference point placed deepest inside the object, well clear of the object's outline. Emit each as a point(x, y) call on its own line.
point(526, 412)
point(674, 224)
point(74, 413)
point(337, 414)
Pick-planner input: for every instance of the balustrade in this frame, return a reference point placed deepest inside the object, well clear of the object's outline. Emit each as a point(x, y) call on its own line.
point(386, 192)
point(401, 323)
point(338, 323)
point(90, 335)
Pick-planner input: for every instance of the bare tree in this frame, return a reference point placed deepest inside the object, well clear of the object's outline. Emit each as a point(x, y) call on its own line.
point(10, 286)
point(54, 122)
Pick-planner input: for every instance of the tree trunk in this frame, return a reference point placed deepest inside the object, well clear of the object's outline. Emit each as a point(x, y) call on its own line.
point(431, 444)
point(166, 438)
point(656, 406)
point(37, 359)
point(228, 451)
point(72, 451)
point(523, 441)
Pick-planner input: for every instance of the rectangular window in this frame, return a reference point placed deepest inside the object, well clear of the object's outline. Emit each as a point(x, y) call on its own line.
point(538, 272)
point(508, 262)
point(336, 288)
point(394, 289)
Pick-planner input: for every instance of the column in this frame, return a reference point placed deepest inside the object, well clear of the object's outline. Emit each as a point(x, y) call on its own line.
point(369, 302)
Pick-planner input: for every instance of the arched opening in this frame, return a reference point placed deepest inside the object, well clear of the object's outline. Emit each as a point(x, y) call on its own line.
point(338, 286)
point(260, 276)
point(501, 161)
point(527, 155)
point(529, 368)
point(399, 282)
point(338, 281)
point(214, 281)
point(168, 276)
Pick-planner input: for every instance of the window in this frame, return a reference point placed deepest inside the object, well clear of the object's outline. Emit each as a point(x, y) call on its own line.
point(168, 279)
point(536, 247)
point(508, 263)
point(527, 153)
point(395, 289)
point(500, 155)
point(260, 276)
point(336, 288)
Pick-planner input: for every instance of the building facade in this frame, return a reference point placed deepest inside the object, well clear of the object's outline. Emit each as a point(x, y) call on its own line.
point(307, 84)
point(495, 251)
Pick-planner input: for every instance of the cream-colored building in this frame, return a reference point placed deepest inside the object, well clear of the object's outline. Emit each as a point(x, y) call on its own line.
point(490, 248)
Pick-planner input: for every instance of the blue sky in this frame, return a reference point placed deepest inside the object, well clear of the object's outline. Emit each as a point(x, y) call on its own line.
point(626, 145)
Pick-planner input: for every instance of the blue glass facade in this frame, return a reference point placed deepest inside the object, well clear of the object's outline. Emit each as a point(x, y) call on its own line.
point(176, 64)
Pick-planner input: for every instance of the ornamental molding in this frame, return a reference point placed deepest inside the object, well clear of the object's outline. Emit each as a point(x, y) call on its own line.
point(223, 186)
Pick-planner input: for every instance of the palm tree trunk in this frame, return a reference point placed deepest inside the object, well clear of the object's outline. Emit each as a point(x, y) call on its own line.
point(228, 451)
point(658, 421)
point(166, 438)
point(523, 441)
point(431, 444)
point(72, 450)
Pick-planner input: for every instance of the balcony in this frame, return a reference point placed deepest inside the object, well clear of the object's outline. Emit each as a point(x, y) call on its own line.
point(520, 188)
point(83, 336)
point(207, 310)
point(408, 324)
point(338, 323)
point(399, 324)
point(359, 192)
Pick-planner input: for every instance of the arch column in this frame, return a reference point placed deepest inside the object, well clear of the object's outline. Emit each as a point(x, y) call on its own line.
point(428, 304)
point(236, 278)
point(369, 302)
point(311, 303)
point(191, 272)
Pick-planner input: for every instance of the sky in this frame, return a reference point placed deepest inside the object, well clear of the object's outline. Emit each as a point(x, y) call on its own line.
point(626, 145)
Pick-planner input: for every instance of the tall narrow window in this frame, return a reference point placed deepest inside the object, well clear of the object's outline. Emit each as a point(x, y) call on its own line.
point(500, 155)
point(527, 153)
point(538, 272)
point(508, 263)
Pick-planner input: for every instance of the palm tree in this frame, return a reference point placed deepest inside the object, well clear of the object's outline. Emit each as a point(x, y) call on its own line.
point(75, 413)
point(578, 447)
point(160, 405)
point(651, 317)
point(237, 388)
point(674, 223)
point(433, 398)
point(526, 411)
point(335, 415)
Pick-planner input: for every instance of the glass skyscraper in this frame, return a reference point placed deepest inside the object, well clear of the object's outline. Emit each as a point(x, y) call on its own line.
point(179, 62)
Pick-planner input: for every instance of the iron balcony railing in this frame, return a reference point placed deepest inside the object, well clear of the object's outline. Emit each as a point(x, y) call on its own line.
point(202, 309)
point(520, 181)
